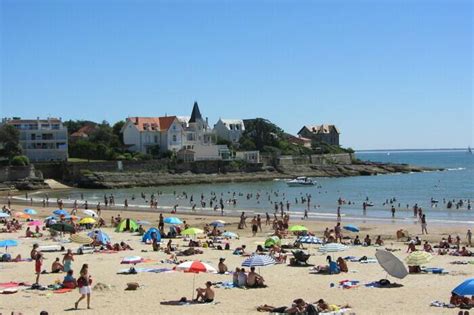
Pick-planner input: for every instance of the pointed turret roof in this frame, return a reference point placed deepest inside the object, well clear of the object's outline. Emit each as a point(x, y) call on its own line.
point(196, 114)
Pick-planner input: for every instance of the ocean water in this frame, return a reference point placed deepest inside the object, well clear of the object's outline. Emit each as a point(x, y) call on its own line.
point(455, 183)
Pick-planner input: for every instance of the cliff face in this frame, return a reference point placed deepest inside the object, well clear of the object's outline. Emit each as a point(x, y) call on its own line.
point(137, 179)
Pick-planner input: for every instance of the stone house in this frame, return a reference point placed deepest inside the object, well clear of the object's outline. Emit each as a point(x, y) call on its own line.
point(321, 133)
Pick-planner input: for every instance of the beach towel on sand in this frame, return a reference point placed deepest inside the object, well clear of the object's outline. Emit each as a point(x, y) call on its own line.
point(62, 290)
point(342, 311)
point(155, 270)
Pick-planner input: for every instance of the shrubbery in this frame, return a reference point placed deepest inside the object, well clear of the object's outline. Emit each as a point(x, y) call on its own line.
point(20, 160)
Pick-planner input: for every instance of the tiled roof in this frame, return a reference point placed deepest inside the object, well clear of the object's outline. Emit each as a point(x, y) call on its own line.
point(84, 131)
point(153, 123)
point(322, 128)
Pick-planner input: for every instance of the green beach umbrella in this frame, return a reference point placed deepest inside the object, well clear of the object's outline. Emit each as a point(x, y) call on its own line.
point(297, 228)
point(274, 240)
point(192, 231)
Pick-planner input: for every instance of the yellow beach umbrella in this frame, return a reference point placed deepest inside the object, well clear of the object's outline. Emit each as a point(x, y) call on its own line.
point(87, 221)
point(192, 231)
point(418, 258)
point(297, 228)
point(81, 239)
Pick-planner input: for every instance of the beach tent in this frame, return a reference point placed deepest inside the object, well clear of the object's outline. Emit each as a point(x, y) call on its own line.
point(147, 236)
point(127, 225)
point(99, 236)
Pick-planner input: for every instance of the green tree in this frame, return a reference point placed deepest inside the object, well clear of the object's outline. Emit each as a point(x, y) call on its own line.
point(9, 141)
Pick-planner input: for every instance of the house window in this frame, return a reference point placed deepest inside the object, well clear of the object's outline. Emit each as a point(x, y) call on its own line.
point(174, 138)
point(156, 139)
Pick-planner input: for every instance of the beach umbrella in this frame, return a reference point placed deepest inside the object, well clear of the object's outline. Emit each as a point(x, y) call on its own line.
point(87, 221)
point(217, 223)
point(99, 236)
point(230, 235)
point(90, 213)
point(274, 240)
point(309, 240)
point(21, 215)
point(71, 217)
point(465, 288)
point(30, 211)
point(8, 243)
point(297, 228)
point(351, 228)
point(63, 227)
point(60, 212)
point(192, 231)
point(391, 264)
point(4, 215)
point(81, 239)
point(35, 223)
point(418, 258)
point(258, 261)
point(132, 260)
point(332, 247)
point(195, 267)
point(172, 220)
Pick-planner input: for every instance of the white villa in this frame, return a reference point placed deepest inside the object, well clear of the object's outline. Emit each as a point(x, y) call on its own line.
point(191, 139)
point(229, 129)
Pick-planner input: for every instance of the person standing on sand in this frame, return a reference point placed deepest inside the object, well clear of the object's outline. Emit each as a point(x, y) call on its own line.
point(469, 238)
point(423, 225)
point(38, 265)
point(84, 284)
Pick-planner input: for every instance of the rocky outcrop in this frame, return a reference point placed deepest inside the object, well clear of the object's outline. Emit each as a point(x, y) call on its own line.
point(21, 178)
point(137, 179)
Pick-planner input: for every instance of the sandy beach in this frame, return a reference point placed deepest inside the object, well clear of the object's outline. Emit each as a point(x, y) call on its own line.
point(285, 283)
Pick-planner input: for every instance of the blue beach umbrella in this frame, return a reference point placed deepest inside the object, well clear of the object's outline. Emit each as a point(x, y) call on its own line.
point(4, 215)
point(465, 288)
point(172, 220)
point(217, 223)
point(99, 236)
point(258, 261)
point(8, 243)
point(351, 228)
point(30, 211)
point(230, 235)
point(60, 212)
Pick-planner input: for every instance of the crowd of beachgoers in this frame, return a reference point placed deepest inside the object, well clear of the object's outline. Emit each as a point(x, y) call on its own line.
point(184, 242)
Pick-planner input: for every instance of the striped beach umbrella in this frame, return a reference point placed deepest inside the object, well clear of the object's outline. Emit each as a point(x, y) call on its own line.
point(217, 223)
point(332, 247)
point(132, 260)
point(309, 240)
point(81, 239)
point(418, 258)
point(258, 261)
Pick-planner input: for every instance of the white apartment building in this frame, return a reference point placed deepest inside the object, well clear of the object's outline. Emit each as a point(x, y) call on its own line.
point(41, 139)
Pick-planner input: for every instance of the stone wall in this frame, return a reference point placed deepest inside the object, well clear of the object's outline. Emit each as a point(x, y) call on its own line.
point(14, 173)
point(316, 159)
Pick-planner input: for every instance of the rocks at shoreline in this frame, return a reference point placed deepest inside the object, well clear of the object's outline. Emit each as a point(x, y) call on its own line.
point(141, 179)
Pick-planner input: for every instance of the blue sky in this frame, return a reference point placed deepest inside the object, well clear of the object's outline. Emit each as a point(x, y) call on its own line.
point(389, 74)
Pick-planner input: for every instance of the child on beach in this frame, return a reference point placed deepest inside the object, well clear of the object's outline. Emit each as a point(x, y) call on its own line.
point(84, 284)
point(38, 265)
